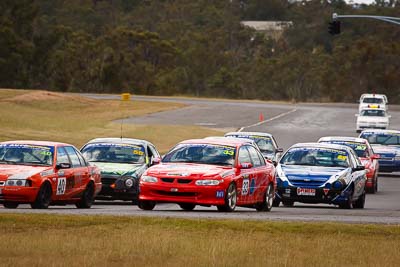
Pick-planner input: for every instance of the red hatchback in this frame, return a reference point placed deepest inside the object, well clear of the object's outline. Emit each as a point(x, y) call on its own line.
point(365, 153)
point(222, 172)
point(45, 173)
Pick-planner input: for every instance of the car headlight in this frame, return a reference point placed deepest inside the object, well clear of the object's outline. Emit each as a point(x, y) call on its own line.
point(397, 157)
point(128, 182)
point(19, 182)
point(148, 179)
point(208, 182)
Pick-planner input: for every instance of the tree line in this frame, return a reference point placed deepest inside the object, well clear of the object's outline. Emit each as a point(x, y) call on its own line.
point(199, 48)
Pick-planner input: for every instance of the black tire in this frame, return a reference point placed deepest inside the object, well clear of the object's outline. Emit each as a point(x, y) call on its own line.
point(374, 188)
point(276, 202)
point(146, 205)
point(87, 198)
point(10, 205)
point(230, 199)
point(187, 206)
point(348, 204)
point(288, 203)
point(268, 199)
point(43, 197)
point(360, 202)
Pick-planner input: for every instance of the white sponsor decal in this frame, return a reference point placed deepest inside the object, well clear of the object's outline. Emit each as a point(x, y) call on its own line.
point(305, 191)
point(245, 187)
point(61, 184)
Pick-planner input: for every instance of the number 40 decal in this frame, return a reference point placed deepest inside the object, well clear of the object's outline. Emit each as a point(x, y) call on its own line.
point(61, 184)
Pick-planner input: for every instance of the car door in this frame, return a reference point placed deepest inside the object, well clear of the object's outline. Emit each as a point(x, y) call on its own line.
point(65, 176)
point(245, 175)
point(259, 176)
point(358, 176)
point(80, 171)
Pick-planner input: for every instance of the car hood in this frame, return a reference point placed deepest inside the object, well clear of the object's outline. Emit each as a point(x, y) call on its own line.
point(386, 150)
point(107, 168)
point(21, 171)
point(321, 174)
point(189, 170)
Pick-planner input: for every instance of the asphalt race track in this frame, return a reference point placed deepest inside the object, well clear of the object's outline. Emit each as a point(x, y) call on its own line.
point(289, 123)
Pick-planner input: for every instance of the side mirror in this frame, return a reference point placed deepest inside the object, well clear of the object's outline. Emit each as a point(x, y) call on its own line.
point(375, 156)
point(359, 168)
point(155, 161)
point(63, 166)
point(279, 150)
point(389, 116)
point(245, 165)
point(356, 115)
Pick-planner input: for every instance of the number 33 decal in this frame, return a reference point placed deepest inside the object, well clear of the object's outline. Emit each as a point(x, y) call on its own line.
point(61, 184)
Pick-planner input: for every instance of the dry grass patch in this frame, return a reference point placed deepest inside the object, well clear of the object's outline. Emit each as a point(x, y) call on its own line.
point(33, 240)
point(42, 115)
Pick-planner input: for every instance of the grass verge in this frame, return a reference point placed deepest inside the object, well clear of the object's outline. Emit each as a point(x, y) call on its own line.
point(41, 115)
point(59, 240)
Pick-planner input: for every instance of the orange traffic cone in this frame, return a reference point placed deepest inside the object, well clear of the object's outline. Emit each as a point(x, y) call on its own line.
point(261, 117)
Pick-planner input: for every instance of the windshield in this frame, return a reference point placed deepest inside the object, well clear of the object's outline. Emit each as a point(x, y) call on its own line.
point(381, 138)
point(114, 153)
point(373, 112)
point(264, 143)
point(316, 157)
point(373, 100)
point(202, 153)
point(361, 149)
point(25, 154)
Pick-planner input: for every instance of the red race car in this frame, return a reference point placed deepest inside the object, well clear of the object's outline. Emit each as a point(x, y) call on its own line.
point(224, 172)
point(365, 153)
point(45, 173)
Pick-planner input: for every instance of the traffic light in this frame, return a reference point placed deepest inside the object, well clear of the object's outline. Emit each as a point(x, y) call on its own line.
point(334, 27)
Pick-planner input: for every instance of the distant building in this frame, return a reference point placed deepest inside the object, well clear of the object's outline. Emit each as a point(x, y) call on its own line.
point(272, 29)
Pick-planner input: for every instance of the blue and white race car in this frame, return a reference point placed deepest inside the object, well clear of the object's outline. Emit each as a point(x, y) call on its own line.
point(385, 143)
point(321, 173)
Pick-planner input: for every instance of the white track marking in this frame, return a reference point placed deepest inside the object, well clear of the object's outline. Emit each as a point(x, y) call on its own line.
point(271, 119)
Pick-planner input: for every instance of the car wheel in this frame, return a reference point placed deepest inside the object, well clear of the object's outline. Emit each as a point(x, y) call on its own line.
point(268, 200)
point(43, 197)
point(187, 206)
point(348, 204)
point(360, 202)
point(287, 203)
point(87, 198)
point(230, 199)
point(276, 202)
point(146, 205)
point(10, 205)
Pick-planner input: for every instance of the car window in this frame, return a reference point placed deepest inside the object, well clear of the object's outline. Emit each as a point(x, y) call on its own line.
point(373, 100)
point(73, 156)
point(254, 157)
point(62, 156)
point(244, 156)
point(373, 112)
point(324, 157)
point(81, 159)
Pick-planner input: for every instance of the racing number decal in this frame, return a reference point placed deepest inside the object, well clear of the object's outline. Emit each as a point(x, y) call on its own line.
point(61, 184)
point(245, 187)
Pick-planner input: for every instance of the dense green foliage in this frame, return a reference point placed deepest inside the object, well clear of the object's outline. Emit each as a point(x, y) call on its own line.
point(180, 47)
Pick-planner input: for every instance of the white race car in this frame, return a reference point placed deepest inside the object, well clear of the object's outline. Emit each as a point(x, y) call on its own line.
point(372, 101)
point(375, 118)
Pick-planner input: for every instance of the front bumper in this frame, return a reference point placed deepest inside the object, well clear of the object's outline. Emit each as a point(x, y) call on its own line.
point(20, 194)
point(115, 189)
point(333, 196)
point(388, 164)
point(362, 126)
point(178, 193)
